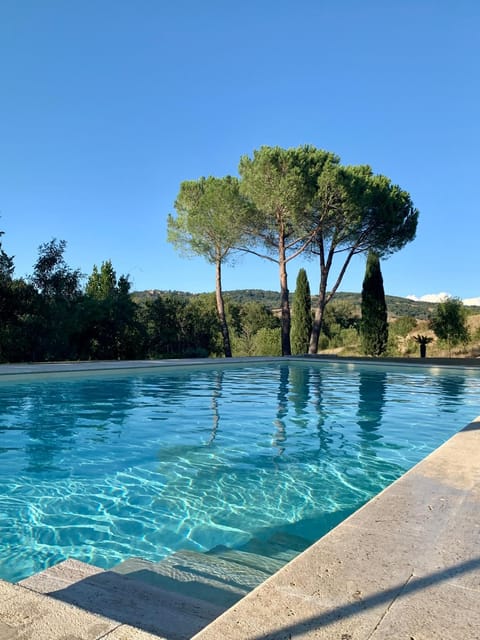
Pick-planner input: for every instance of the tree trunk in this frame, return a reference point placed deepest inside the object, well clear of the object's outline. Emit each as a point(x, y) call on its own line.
point(319, 313)
point(221, 311)
point(323, 299)
point(284, 298)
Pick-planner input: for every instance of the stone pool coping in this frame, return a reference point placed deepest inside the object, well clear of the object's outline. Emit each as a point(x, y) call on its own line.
point(101, 366)
point(404, 566)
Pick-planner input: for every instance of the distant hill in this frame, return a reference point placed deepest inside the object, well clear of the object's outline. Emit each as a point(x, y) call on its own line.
point(396, 305)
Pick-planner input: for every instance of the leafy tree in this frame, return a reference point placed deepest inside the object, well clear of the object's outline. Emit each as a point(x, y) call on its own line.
point(281, 184)
point(342, 314)
point(203, 336)
point(374, 325)
point(159, 317)
point(253, 317)
point(302, 315)
point(181, 326)
point(355, 212)
point(109, 315)
point(449, 322)
point(54, 308)
point(52, 277)
point(102, 284)
point(6, 264)
point(267, 342)
point(6, 300)
point(208, 213)
point(340, 325)
point(19, 326)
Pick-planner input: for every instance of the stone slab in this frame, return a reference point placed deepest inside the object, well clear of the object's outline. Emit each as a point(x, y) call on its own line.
point(26, 615)
point(431, 612)
point(60, 576)
point(126, 632)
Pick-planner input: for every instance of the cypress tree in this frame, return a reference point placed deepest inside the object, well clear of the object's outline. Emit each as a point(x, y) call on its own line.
point(301, 315)
point(373, 326)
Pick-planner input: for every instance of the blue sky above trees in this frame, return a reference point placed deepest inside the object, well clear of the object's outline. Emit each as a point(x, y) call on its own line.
point(107, 106)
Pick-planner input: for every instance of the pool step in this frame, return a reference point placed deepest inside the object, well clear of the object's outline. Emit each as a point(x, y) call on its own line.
point(268, 555)
point(172, 599)
point(117, 597)
point(221, 576)
point(279, 546)
point(209, 577)
point(247, 559)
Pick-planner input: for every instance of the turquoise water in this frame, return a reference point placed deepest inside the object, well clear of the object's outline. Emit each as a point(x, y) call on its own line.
point(105, 467)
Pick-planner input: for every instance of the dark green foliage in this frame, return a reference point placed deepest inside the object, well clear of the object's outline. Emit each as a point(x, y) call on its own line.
point(341, 324)
point(343, 314)
point(373, 325)
point(54, 306)
point(252, 318)
point(110, 327)
point(301, 315)
point(17, 298)
point(450, 322)
point(177, 326)
point(52, 277)
point(6, 264)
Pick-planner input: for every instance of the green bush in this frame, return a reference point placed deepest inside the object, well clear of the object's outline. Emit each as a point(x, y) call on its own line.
point(267, 342)
point(402, 326)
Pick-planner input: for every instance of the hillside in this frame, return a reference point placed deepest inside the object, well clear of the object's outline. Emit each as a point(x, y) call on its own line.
point(397, 306)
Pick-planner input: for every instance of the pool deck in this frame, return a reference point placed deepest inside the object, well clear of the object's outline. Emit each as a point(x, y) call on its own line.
point(406, 566)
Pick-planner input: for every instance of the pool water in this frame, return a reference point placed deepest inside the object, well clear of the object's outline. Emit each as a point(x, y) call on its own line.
point(103, 467)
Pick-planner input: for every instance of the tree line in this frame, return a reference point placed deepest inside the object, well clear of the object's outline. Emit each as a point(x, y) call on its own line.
point(53, 314)
point(287, 203)
point(50, 315)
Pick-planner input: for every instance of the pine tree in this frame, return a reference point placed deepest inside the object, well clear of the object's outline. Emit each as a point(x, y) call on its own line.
point(373, 326)
point(301, 315)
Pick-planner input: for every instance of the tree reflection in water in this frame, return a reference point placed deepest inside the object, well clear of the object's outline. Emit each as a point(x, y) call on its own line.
point(216, 394)
point(280, 436)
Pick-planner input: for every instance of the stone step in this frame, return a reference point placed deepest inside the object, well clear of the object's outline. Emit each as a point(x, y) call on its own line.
point(253, 560)
point(117, 597)
point(280, 546)
point(207, 577)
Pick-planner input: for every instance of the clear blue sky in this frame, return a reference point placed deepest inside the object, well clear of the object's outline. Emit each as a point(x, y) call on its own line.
point(106, 106)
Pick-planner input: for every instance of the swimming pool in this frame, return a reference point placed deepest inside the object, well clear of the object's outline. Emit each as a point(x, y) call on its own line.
point(102, 467)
